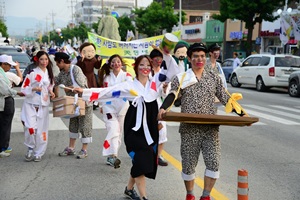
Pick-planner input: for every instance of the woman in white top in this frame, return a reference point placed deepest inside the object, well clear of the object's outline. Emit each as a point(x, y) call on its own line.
point(114, 111)
point(38, 89)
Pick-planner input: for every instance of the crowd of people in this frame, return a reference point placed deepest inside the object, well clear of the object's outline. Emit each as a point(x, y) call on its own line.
point(132, 108)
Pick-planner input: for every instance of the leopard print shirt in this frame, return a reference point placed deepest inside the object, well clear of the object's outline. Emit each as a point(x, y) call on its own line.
point(199, 98)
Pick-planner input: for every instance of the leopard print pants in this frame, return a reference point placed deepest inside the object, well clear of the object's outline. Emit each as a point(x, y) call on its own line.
point(197, 138)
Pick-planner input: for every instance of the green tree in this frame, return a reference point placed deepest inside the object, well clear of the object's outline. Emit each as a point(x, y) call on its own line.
point(250, 12)
point(3, 29)
point(68, 33)
point(156, 17)
point(124, 25)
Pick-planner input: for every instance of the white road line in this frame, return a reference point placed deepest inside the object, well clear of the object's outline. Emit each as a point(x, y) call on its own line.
point(272, 118)
point(98, 123)
point(286, 108)
point(277, 112)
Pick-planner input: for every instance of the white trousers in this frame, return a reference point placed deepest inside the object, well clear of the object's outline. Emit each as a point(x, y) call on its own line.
point(114, 126)
point(36, 128)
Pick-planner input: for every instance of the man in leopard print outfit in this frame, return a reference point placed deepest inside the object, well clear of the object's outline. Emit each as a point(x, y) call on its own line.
point(198, 90)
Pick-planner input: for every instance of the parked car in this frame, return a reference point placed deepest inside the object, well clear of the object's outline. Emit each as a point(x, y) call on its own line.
point(9, 49)
point(227, 66)
point(22, 58)
point(265, 71)
point(294, 84)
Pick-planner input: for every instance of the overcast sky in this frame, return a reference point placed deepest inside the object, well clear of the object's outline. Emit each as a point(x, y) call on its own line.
point(39, 8)
point(43, 8)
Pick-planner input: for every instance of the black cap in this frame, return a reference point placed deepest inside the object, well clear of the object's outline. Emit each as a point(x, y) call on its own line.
point(155, 53)
point(214, 47)
point(181, 44)
point(61, 55)
point(196, 47)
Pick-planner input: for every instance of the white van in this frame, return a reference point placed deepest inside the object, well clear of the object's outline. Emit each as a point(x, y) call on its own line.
point(265, 71)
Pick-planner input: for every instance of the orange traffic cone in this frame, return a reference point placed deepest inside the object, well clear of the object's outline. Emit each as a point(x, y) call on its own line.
point(242, 189)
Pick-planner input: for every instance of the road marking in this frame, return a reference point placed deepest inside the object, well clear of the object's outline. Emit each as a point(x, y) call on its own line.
point(270, 117)
point(98, 123)
point(198, 181)
point(286, 108)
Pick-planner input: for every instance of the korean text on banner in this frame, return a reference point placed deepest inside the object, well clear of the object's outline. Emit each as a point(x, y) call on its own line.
point(107, 47)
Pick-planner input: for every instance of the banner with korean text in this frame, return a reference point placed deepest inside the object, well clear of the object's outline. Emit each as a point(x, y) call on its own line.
point(106, 47)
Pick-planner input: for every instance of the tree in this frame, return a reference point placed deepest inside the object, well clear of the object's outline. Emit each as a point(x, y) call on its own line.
point(124, 25)
point(250, 12)
point(156, 17)
point(3, 29)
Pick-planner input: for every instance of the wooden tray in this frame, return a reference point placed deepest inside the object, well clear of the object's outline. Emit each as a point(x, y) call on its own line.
point(209, 119)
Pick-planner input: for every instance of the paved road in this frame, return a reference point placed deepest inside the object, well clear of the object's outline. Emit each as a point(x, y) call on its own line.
point(262, 149)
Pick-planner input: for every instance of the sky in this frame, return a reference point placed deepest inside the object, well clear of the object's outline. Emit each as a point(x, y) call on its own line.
point(39, 8)
point(42, 9)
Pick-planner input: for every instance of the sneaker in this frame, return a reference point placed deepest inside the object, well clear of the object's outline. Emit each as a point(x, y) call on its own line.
point(82, 154)
point(4, 154)
point(131, 194)
point(190, 197)
point(144, 198)
point(113, 161)
point(162, 162)
point(67, 152)
point(29, 156)
point(37, 158)
point(7, 150)
point(205, 198)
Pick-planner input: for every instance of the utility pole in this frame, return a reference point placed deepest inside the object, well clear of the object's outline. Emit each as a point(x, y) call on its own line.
point(180, 16)
point(47, 31)
point(52, 14)
point(102, 7)
point(2, 10)
point(136, 32)
point(72, 7)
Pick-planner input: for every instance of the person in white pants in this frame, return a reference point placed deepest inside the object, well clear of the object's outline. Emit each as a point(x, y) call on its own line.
point(38, 89)
point(113, 111)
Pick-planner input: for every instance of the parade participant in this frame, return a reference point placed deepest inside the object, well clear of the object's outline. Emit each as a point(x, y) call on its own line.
point(198, 88)
point(213, 65)
point(111, 73)
point(7, 104)
point(37, 88)
point(140, 125)
point(88, 62)
point(32, 65)
point(72, 76)
point(157, 58)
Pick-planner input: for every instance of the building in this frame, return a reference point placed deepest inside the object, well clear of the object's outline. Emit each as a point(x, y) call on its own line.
point(89, 11)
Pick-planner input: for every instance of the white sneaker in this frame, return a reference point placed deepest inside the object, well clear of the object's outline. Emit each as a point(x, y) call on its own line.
point(4, 154)
point(29, 156)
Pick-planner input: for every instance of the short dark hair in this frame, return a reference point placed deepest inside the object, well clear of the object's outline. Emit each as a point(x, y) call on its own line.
point(155, 53)
point(196, 47)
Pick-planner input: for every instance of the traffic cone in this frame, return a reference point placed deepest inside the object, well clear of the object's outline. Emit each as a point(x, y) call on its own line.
point(242, 189)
